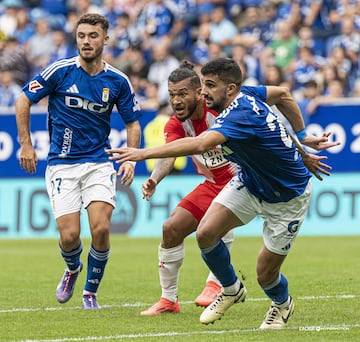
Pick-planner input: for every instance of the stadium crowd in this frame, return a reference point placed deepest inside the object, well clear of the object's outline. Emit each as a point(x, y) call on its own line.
point(310, 46)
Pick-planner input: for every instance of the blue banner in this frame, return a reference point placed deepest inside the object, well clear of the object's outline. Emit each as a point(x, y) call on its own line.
point(343, 120)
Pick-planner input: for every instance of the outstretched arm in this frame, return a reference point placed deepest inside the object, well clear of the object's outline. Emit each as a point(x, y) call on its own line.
point(177, 148)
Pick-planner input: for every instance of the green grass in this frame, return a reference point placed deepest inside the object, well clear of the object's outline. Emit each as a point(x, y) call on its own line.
point(323, 273)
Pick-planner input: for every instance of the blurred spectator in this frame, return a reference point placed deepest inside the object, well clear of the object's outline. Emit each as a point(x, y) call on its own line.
point(8, 19)
point(9, 89)
point(13, 58)
point(24, 28)
point(305, 69)
point(122, 36)
point(199, 52)
point(251, 64)
point(161, 67)
point(348, 39)
point(306, 38)
point(222, 30)
point(334, 94)
point(205, 7)
point(81, 7)
point(342, 65)
point(273, 75)
point(112, 12)
point(37, 48)
point(310, 92)
point(151, 101)
point(282, 49)
point(250, 31)
point(155, 22)
point(60, 47)
point(315, 14)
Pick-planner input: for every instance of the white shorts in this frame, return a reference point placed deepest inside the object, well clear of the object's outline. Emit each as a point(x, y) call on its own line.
point(282, 220)
point(71, 187)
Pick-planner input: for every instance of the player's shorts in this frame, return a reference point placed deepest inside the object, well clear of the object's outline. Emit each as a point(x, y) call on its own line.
point(199, 200)
point(71, 187)
point(282, 220)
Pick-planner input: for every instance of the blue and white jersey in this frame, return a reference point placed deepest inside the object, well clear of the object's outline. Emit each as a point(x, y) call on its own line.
point(80, 106)
point(272, 168)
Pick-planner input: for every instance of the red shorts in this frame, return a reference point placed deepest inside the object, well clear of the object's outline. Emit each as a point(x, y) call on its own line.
point(199, 200)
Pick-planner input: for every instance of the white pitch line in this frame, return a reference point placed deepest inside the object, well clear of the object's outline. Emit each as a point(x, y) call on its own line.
point(125, 305)
point(192, 333)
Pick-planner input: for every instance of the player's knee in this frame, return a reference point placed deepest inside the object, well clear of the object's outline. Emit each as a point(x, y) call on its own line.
point(173, 234)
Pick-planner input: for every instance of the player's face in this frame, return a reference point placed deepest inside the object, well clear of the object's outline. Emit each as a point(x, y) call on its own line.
point(215, 92)
point(90, 41)
point(183, 99)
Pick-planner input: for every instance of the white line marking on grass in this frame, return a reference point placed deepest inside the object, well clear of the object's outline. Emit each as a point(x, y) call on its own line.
point(192, 333)
point(125, 305)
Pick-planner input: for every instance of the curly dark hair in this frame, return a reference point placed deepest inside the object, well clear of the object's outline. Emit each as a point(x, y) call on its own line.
point(94, 19)
point(185, 71)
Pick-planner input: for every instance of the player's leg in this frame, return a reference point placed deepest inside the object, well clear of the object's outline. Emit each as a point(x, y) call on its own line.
point(98, 194)
point(233, 207)
point(217, 222)
point(213, 286)
point(99, 219)
point(64, 195)
point(180, 224)
point(282, 222)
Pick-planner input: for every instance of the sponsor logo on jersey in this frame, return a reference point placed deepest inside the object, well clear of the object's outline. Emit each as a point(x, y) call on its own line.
point(105, 94)
point(34, 86)
point(78, 102)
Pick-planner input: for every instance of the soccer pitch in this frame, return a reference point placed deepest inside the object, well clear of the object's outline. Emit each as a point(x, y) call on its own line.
point(323, 274)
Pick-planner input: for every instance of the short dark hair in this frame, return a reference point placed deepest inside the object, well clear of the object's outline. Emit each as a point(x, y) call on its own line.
point(226, 69)
point(94, 19)
point(185, 71)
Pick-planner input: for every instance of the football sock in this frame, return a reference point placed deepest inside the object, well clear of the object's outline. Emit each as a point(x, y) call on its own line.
point(228, 239)
point(218, 260)
point(278, 291)
point(95, 270)
point(72, 258)
point(170, 261)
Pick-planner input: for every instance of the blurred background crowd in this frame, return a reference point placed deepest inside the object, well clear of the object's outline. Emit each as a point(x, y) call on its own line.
point(311, 46)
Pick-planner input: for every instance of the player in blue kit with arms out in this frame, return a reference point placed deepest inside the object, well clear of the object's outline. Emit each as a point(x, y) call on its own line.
point(272, 183)
point(82, 92)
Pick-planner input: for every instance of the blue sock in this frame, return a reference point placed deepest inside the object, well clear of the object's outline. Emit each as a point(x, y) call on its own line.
point(278, 291)
point(96, 266)
point(72, 259)
point(218, 261)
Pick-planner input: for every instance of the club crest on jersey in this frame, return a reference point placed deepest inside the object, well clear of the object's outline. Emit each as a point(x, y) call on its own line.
point(105, 94)
point(34, 86)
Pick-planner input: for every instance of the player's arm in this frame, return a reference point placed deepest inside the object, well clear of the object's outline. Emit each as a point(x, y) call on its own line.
point(161, 169)
point(127, 170)
point(282, 98)
point(178, 148)
point(28, 158)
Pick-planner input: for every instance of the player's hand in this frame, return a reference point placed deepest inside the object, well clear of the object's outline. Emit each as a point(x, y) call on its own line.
point(315, 165)
point(127, 173)
point(124, 154)
point(28, 158)
point(319, 143)
point(148, 188)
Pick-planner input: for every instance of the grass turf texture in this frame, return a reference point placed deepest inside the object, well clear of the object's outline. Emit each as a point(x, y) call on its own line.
point(323, 274)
